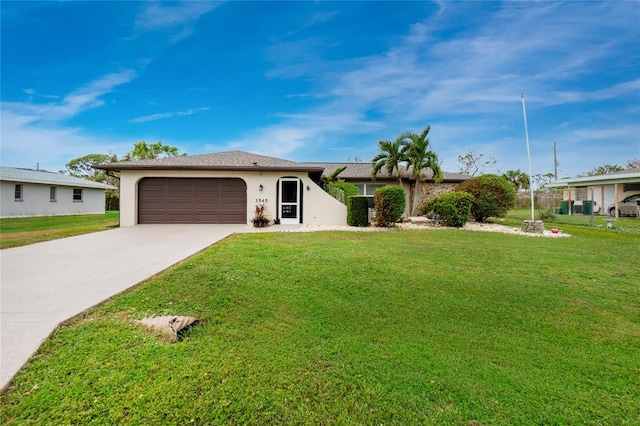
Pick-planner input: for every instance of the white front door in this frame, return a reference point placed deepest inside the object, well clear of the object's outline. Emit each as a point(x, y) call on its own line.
point(289, 204)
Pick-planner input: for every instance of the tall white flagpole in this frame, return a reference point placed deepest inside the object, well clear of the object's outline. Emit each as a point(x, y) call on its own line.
point(526, 134)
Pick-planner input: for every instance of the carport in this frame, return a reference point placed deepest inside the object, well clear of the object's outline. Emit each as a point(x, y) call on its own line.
point(608, 189)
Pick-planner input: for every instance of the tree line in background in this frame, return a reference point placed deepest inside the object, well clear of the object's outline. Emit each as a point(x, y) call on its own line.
point(84, 167)
point(409, 151)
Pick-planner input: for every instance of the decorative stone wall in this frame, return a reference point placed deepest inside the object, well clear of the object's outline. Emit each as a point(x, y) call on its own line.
point(533, 226)
point(432, 190)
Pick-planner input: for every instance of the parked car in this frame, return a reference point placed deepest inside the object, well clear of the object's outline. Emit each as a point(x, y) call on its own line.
point(628, 206)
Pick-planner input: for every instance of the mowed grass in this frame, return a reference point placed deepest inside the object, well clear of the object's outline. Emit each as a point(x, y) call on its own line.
point(402, 327)
point(15, 232)
point(624, 225)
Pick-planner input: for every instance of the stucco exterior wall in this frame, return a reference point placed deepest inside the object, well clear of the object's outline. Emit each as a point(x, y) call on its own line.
point(36, 200)
point(318, 207)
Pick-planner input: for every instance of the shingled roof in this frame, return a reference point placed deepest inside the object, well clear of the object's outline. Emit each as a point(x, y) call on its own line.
point(246, 161)
point(362, 171)
point(13, 174)
point(229, 160)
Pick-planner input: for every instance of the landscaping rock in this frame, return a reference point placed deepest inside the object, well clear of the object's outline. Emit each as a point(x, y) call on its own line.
point(535, 226)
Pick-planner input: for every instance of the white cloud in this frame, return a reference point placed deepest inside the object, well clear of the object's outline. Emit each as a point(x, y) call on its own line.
point(24, 145)
point(483, 68)
point(624, 89)
point(81, 99)
point(157, 16)
point(296, 58)
point(540, 49)
point(33, 93)
point(318, 18)
point(307, 131)
point(33, 133)
point(164, 115)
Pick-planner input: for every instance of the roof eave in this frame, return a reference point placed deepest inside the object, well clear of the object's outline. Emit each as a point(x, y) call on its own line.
point(54, 183)
point(600, 179)
point(121, 167)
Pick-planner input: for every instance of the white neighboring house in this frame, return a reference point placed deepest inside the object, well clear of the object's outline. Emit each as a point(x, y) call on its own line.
point(608, 190)
point(28, 192)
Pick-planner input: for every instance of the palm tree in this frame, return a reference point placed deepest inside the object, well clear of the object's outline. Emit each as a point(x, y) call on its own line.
point(517, 178)
point(390, 156)
point(420, 157)
point(333, 177)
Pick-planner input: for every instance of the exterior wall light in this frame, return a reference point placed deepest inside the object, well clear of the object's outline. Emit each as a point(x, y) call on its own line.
point(261, 187)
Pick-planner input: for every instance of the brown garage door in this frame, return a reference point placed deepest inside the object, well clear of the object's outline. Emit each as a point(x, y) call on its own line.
point(186, 200)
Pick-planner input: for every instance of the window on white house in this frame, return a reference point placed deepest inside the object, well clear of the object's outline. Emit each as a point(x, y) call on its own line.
point(53, 194)
point(18, 192)
point(631, 187)
point(77, 194)
point(582, 194)
point(370, 188)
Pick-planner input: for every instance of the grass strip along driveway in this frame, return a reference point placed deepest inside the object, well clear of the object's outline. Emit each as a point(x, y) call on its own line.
point(403, 327)
point(21, 231)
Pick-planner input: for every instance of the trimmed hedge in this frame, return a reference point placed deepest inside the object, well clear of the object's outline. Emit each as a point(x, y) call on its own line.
point(492, 196)
point(390, 202)
point(453, 208)
point(358, 210)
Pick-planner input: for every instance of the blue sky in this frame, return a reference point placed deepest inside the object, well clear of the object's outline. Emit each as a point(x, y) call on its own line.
point(322, 81)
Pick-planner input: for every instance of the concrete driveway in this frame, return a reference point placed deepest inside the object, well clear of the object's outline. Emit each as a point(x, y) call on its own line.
point(44, 284)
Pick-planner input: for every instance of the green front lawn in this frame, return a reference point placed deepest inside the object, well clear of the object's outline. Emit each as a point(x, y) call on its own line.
point(405, 327)
point(625, 225)
point(22, 231)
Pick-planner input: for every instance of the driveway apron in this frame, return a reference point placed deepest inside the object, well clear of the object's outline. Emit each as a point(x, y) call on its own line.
point(44, 284)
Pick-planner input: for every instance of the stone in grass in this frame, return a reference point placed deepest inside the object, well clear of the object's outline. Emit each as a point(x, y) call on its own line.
point(169, 325)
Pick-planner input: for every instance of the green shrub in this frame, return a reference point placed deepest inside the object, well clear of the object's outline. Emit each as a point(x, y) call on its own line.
point(349, 189)
point(390, 202)
point(492, 196)
point(358, 210)
point(453, 208)
point(548, 214)
point(112, 200)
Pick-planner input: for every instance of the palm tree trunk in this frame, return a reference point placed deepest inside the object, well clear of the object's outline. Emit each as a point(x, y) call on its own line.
point(414, 203)
point(412, 187)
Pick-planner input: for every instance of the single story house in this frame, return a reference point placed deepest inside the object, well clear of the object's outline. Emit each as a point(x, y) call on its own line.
point(608, 190)
point(360, 175)
point(226, 187)
point(28, 192)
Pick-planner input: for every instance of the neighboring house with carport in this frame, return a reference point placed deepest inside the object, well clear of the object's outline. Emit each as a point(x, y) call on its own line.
point(225, 187)
point(607, 189)
point(28, 192)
